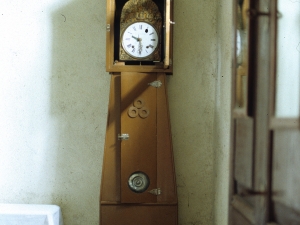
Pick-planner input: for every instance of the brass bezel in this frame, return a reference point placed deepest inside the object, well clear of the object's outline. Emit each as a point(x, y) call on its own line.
point(157, 51)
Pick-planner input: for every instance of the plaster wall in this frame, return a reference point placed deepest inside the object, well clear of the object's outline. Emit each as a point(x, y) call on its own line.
point(192, 101)
point(54, 97)
point(222, 116)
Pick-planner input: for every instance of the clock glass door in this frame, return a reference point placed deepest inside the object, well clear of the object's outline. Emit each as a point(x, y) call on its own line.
point(167, 33)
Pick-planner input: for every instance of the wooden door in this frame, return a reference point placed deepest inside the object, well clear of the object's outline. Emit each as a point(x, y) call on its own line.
point(168, 22)
point(251, 139)
point(148, 150)
point(138, 120)
point(266, 178)
point(285, 198)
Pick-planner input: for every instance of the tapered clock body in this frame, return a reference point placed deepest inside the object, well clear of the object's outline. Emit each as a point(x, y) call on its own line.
point(138, 177)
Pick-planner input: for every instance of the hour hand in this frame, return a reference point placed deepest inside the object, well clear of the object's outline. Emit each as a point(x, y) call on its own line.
point(138, 39)
point(135, 38)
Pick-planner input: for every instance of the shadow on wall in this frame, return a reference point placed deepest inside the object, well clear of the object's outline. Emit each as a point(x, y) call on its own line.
point(79, 96)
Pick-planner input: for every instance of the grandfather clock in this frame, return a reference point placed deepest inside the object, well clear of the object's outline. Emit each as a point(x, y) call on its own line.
point(138, 179)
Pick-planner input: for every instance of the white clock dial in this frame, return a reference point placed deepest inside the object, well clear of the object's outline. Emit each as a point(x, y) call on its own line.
point(140, 40)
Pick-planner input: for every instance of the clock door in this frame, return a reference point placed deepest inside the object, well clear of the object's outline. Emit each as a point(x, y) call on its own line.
point(113, 35)
point(167, 44)
point(139, 151)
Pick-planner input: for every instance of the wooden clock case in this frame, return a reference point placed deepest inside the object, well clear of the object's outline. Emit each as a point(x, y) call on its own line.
point(113, 64)
point(138, 107)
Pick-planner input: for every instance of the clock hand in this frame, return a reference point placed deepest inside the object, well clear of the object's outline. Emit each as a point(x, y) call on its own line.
point(135, 38)
point(149, 46)
point(140, 45)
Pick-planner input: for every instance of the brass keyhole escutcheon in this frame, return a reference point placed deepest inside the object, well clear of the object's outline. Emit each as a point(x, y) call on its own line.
point(138, 182)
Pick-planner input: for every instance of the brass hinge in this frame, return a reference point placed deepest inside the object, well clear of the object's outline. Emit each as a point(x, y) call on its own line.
point(252, 13)
point(108, 27)
point(123, 137)
point(155, 84)
point(156, 191)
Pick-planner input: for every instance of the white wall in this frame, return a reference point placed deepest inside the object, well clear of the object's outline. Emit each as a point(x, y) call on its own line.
point(222, 117)
point(54, 96)
point(192, 102)
point(53, 99)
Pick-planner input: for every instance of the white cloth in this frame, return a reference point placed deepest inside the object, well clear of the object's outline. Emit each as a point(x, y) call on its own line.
point(30, 214)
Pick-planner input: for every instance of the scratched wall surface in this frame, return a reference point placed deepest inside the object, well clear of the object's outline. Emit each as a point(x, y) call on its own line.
point(222, 117)
point(192, 101)
point(54, 97)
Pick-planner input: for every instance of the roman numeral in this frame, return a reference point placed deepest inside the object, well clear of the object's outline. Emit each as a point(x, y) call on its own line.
point(153, 40)
point(134, 28)
point(151, 33)
point(128, 46)
point(141, 27)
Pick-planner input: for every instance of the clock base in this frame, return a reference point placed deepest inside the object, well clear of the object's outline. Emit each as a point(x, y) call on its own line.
point(138, 214)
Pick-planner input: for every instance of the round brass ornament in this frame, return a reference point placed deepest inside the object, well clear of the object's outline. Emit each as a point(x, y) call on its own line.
point(138, 182)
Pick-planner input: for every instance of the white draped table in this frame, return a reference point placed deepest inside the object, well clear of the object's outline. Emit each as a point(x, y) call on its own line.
point(30, 214)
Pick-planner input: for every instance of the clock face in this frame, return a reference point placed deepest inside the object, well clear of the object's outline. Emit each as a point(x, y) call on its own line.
point(140, 40)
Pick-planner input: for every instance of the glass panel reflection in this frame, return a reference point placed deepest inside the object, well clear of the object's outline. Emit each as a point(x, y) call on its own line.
point(288, 59)
point(242, 55)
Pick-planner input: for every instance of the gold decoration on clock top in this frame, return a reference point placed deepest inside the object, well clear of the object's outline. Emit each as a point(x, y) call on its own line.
point(140, 31)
